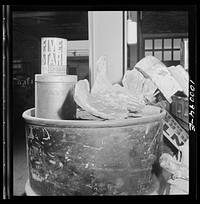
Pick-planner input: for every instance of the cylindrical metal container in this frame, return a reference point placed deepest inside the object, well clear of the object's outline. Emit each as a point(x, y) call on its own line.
point(81, 157)
point(54, 96)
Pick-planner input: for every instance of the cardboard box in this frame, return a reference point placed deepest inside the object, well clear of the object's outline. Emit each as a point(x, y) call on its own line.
point(174, 132)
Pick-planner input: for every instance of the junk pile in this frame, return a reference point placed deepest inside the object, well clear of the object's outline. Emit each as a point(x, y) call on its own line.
point(109, 101)
point(145, 89)
point(67, 156)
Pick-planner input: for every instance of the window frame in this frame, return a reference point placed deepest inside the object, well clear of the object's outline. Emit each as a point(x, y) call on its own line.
point(163, 36)
point(162, 49)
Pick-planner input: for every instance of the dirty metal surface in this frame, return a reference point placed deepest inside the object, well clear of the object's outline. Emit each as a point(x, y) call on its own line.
point(67, 161)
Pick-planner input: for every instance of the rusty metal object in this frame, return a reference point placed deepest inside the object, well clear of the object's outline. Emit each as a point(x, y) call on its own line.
point(81, 157)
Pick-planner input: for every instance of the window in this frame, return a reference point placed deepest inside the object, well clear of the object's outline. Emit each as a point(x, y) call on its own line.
point(165, 49)
point(17, 64)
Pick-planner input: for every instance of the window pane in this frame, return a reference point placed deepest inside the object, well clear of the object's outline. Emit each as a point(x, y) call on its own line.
point(176, 55)
point(167, 55)
point(148, 53)
point(148, 44)
point(158, 54)
point(177, 43)
point(158, 44)
point(167, 43)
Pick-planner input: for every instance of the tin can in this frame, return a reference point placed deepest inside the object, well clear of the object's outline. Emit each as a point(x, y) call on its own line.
point(53, 56)
point(54, 96)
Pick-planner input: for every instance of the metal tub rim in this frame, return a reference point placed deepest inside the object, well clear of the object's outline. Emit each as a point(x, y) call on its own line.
point(29, 116)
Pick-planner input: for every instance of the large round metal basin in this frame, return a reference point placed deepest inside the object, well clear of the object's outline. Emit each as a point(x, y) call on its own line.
point(80, 157)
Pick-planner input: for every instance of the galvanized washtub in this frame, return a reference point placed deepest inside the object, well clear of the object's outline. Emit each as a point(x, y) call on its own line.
point(80, 157)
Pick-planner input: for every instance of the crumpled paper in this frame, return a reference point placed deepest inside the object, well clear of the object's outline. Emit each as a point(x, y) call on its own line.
point(179, 168)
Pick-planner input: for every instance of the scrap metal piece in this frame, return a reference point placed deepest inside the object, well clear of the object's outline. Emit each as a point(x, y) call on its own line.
point(181, 76)
point(153, 68)
point(116, 94)
point(137, 84)
point(95, 104)
point(115, 101)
